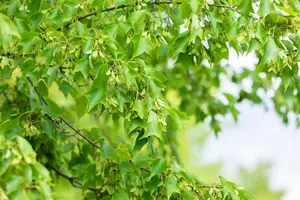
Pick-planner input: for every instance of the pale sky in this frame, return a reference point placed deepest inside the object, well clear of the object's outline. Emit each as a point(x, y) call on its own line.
point(258, 136)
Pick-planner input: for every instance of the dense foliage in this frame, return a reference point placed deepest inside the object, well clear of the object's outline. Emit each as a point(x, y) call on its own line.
point(117, 61)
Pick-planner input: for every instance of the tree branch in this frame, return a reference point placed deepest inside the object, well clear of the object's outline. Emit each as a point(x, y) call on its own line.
point(43, 101)
point(130, 5)
point(79, 133)
point(12, 55)
point(198, 193)
point(208, 187)
point(73, 181)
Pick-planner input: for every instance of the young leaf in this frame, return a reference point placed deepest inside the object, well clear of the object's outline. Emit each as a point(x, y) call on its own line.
point(83, 66)
point(141, 44)
point(245, 7)
point(180, 45)
point(154, 127)
point(172, 186)
point(137, 17)
point(158, 166)
point(139, 107)
point(270, 51)
point(52, 109)
point(266, 7)
point(26, 149)
point(96, 97)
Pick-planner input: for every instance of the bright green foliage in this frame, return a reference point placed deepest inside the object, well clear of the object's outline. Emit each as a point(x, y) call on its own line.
point(256, 181)
point(111, 59)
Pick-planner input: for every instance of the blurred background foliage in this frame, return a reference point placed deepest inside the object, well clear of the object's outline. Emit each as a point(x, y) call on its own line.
point(190, 142)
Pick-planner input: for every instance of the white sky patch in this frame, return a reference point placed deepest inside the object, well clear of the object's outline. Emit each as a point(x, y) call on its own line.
point(259, 136)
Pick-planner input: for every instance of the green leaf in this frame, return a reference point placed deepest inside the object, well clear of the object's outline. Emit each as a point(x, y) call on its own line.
point(180, 45)
point(172, 186)
point(158, 166)
point(139, 107)
point(42, 87)
point(288, 11)
point(80, 106)
point(101, 78)
point(276, 19)
point(141, 160)
point(28, 43)
point(270, 52)
point(139, 141)
point(289, 46)
point(154, 127)
point(83, 66)
point(2, 141)
point(260, 32)
point(9, 124)
point(35, 6)
point(28, 173)
point(287, 77)
point(37, 19)
point(120, 2)
point(195, 5)
point(266, 7)
point(187, 195)
point(80, 28)
point(42, 171)
point(185, 9)
point(100, 5)
point(87, 48)
point(125, 168)
point(295, 5)
point(245, 7)
point(7, 27)
point(47, 55)
point(52, 109)
point(52, 71)
point(96, 97)
point(175, 117)
point(137, 17)
point(120, 195)
point(141, 44)
point(48, 128)
point(243, 194)
point(26, 149)
point(14, 184)
point(229, 189)
point(123, 99)
point(66, 88)
point(232, 32)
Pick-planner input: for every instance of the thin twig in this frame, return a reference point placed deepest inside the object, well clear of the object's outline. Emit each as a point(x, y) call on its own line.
point(141, 168)
point(130, 5)
point(73, 181)
point(79, 133)
point(208, 187)
point(222, 6)
point(43, 101)
point(12, 55)
point(69, 178)
point(199, 194)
